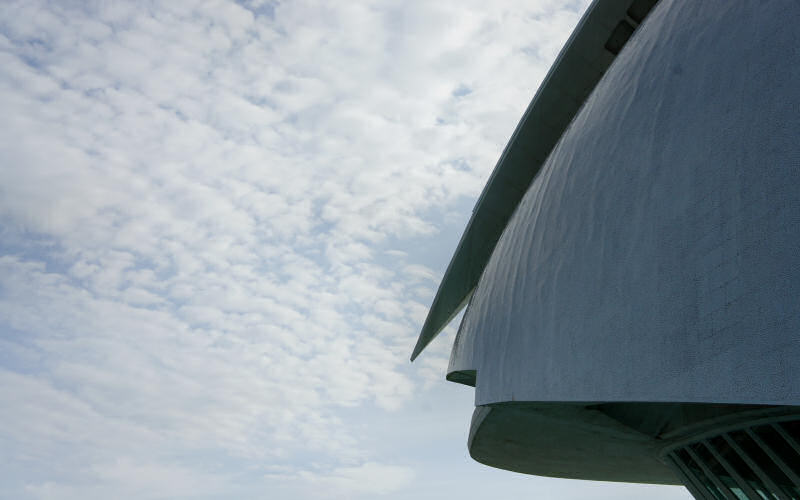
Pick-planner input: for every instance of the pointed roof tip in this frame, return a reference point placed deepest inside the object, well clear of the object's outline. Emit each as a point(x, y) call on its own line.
point(430, 329)
point(439, 316)
point(417, 351)
point(419, 347)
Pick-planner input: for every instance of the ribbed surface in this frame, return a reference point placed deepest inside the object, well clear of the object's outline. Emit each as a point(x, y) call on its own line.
point(760, 462)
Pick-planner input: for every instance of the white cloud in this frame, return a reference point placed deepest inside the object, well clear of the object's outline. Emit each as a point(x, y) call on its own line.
point(369, 478)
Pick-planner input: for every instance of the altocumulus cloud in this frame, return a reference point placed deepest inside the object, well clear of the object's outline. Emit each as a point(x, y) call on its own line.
point(210, 222)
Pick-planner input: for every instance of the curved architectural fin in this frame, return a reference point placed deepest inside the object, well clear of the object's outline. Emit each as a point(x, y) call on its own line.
point(588, 53)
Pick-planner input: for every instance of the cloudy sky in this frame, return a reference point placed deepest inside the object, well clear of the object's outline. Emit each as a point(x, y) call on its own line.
point(221, 225)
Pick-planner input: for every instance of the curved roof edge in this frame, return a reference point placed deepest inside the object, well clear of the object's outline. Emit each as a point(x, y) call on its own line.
point(590, 50)
point(621, 441)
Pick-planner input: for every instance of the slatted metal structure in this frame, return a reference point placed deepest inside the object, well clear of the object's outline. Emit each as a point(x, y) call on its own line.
point(759, 461)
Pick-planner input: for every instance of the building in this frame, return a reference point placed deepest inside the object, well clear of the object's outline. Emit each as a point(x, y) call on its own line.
point(632, 267)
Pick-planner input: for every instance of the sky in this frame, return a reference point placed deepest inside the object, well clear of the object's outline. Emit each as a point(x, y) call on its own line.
point(221, 226)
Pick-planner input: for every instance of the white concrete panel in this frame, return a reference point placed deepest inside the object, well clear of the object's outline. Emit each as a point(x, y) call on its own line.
point(656, 256)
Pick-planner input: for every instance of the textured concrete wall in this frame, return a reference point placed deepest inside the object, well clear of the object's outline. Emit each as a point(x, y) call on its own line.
point(656, 256)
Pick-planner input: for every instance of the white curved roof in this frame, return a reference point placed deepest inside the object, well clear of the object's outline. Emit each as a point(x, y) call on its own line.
point(591, 48)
